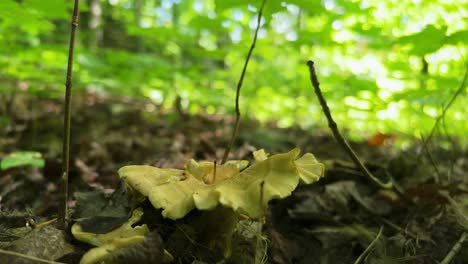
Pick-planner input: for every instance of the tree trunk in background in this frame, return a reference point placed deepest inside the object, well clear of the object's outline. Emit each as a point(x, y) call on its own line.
point(301, 17)
point(95, 25)
point(138, 14)
point(175, 15)
point(176, 63)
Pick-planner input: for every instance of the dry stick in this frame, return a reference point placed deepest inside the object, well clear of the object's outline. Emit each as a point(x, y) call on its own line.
point(239, 85)
point(63, 218)
point(455, 249)
point(334, 128)
point(445, 109)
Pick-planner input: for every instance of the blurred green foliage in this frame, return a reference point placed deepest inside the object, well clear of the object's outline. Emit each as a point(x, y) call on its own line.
point(384, 65)
point(22, 158)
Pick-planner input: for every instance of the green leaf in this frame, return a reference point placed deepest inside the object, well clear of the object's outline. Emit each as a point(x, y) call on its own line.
point(428, 40)
point(226, 4)
point(458, 37)
point(49, 9)
point(4, 120)
point(314, 7)
point(22, 158)
point(10, 9)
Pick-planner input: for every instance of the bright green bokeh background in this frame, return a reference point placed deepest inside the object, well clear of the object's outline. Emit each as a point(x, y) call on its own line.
point(370, 55)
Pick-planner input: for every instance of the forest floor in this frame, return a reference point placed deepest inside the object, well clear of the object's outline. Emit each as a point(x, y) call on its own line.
point(343, 218)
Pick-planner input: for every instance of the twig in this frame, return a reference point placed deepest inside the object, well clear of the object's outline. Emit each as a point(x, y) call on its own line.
point(369, 248)
point(20, 255)
point(239, 85)
point(334, 128)
point(445, 109)
point(452, 152)
point(455, 249)
point(432, 160)
point(404, 231)
point(62, 214)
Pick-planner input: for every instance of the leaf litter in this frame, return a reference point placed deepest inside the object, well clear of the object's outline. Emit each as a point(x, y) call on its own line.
point(331, 221)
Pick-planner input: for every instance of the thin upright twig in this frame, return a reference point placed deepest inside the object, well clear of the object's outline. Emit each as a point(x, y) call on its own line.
point(336, 133)
point(368, 249)
point(63, 209)
point(438, 176)
point(239, 85)
point(457, 93)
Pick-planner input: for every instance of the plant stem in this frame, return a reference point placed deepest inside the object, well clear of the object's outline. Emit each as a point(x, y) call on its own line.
point(63, 209)
point(438, 176)
point(336, 133)
point(239, 85)
point(459, 91)
point(368, 249)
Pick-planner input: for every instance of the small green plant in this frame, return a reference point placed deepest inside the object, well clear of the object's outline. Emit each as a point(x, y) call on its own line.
point(22, 158)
